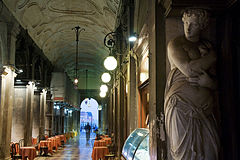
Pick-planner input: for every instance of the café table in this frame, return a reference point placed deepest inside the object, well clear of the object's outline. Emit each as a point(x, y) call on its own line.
point(63, 138)
point(30, 152)
point(58, 140)
point(53, 143)
point(99, 152)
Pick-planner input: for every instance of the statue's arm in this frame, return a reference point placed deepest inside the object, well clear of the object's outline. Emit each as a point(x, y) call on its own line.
point(205, 62)
point(179, 57)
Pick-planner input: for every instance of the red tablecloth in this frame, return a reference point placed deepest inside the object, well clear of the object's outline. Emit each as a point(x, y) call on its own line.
point(53, 142)
point(30, 152)
point(99, 143)
point(104, 136)
point(34, 141)
point(99, 152)
point(46, 144)
point(58, 139)
point(108, 140)
point(63, 138)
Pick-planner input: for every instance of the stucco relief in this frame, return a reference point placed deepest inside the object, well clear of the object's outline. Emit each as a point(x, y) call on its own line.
point(32, 16)
point(85, 7)
point(21, 3)
point(50, 23)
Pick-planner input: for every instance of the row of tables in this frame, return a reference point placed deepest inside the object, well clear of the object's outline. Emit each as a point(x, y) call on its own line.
point(51, 143)
point(100, 148)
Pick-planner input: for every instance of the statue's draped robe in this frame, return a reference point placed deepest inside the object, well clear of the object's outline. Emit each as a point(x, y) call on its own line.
point(190, 124)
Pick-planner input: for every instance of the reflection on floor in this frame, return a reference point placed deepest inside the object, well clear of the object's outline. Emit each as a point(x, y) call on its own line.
point(75, 149)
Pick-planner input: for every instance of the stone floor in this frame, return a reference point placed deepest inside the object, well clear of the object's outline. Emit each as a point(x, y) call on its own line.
point(75, 149)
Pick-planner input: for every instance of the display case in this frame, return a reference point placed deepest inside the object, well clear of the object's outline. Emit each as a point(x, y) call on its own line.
point(136, 147)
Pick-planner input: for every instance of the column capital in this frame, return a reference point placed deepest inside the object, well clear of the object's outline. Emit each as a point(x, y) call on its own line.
point(13, 28)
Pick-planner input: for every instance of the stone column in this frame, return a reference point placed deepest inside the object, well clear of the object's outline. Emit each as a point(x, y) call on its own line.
point(48, 114)
point(18, 121)
point(8, 32)
point(6, 108)
point(42, 112)
point(104, 117)
point(132, 96)
point(110, 117)
point(29, 114)
point(36, 116)
point(120, 115)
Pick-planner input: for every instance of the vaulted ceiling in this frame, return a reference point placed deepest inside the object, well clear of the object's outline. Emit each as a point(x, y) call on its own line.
point(50, 23)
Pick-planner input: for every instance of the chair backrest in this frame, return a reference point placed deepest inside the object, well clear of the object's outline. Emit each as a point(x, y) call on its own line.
point(21, 143)
point(14, 149)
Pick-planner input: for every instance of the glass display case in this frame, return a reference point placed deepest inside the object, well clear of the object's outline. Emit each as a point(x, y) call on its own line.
point(136, 147)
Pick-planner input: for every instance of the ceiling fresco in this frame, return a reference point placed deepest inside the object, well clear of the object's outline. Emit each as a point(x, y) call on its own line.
point(50, 23)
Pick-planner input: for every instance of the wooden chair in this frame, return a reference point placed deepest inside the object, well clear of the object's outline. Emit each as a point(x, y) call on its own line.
point(21, 143)
point(109, 157)
point(13, 152)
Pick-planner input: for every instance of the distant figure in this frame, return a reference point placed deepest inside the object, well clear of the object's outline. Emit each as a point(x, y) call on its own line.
point(97, 134)
point(87, 129)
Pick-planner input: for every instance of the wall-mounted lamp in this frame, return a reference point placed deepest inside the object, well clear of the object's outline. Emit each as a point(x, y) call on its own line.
point(110, 63)
point(102, 94)
point(106, 77)
point(132, 39)
point(104, 88)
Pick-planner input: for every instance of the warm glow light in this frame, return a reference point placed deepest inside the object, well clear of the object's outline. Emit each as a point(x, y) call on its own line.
point(132, 39)
point(75, 81)
point(103, 88)
point(20, 70)
point(106, 77)
point(102, 94)
point(110, 63)
point(143, 77)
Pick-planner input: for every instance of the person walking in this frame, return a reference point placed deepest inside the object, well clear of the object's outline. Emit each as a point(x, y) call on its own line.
point(87, 129)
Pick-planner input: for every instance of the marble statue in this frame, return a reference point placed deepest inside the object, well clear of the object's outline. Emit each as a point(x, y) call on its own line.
point(189, 99)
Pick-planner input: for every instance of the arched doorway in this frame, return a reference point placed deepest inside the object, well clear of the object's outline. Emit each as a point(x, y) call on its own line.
point(89, 114)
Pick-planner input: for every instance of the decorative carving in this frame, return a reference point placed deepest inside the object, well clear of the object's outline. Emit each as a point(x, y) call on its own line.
point(22, 3)
point(75, 7)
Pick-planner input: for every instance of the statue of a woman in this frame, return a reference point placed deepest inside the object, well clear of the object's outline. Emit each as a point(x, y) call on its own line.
point(189, 99)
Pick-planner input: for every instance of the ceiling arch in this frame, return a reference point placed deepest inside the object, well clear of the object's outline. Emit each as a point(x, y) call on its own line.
point(50, 23)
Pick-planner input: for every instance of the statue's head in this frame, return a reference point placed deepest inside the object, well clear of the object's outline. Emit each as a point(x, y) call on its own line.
point(194, 21)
